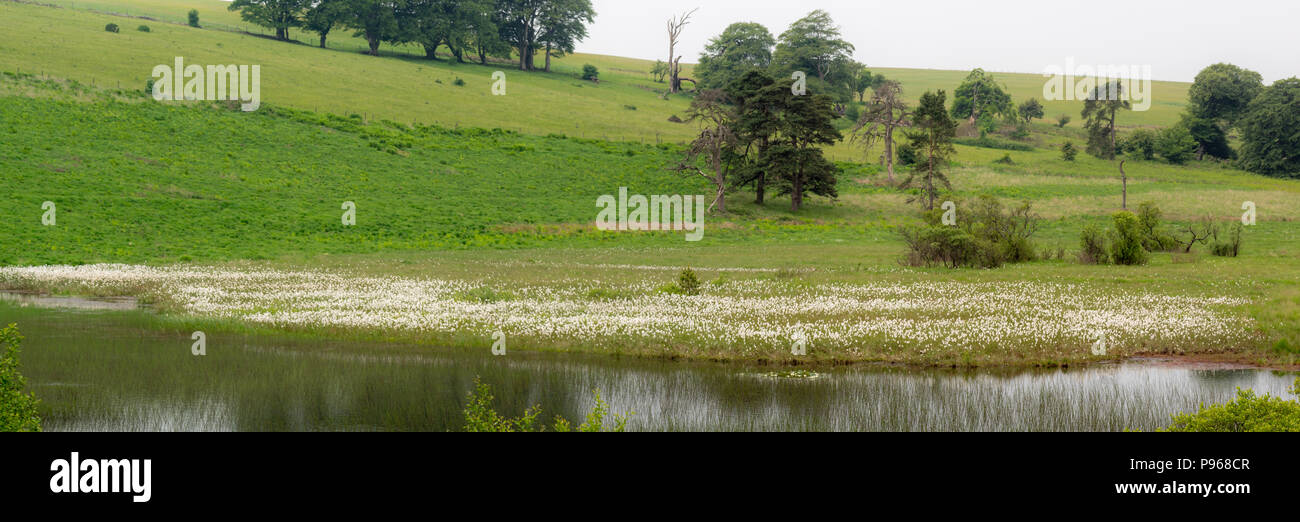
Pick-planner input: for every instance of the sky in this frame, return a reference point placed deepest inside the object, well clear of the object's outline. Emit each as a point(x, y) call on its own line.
point(1176, 38)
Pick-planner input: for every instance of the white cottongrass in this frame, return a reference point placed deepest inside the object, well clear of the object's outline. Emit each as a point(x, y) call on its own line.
point(742, 317)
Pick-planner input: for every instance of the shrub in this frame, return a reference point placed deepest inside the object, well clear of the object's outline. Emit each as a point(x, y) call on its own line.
point(1092, 245)
point(112, 28)
point(688, 282)
point(906, 154)
point(1021, 132)
point(1154, 238)
point(1247, 413)
point(1126, 240)
point(143, 28)
point(1231, 245)
point(1176, 145)
point(986, 236)
point(17, 408)
point(194, 17)
point(1068, 151)
point(1062, 121)
point(1005, 160)
point(458, 82)
point(481, 416)
point(589, 72)
point(1141, 144)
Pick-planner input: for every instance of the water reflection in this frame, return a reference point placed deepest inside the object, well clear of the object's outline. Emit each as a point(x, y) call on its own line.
point(110, 370)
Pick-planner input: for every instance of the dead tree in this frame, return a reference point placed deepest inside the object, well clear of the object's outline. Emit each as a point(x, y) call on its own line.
point(886, 113)
point(675, 27)
point(711, 110)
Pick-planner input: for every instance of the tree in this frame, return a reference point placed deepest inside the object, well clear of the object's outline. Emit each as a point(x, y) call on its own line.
point(1099, 112)
point(194, 18)
point(806, 126)
point(521, 23)
point(742, 47)
point(979, 95)
point(485, 35)
point(1142, 143)
point(675, 26)
point(659, 71)
point(1031, 109)
point(859, 79)
point(18, 407)
point(1211, 138)
point(563, 25)
point(374, 20)
point(932, 133)
point(322, 17)
point(1068, 152)
point(813, 45)
point(280, 15)
point(885, 113)
point(758, 99)
point(716, 119)
point(1062, 121)
point(1222, 92)
point(1270, 131)
point(1176, 145)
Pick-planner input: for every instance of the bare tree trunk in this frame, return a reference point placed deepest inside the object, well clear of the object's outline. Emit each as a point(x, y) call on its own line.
point(548, 56)
point(1124, 176)
point(889, 152)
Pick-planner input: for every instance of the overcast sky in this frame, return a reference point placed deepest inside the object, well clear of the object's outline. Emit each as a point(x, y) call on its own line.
point(1177, 38)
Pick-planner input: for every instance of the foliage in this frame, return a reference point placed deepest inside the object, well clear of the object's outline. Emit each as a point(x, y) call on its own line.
point(1229, 246)
point(813, 45)
point(980, 95)
point(659, 71)
point(1068, 151)
point(1100, 111)
point(590, 72)
point(1176, 145)
point(280, 15)
point(742, 47)
point(688, 282)
point(481, 417)
point(1092, 246)
point(1222, 93)
point(1062, 120)
point(1154, 238)
point(17, 407)
point(193, 18)
point(986, 235)
point(1030, 110)
point(1247, 413)
point(143, 28)
point(1141, 143)
point(112, 28)
point(1211, 139)
point(885, 115)
point(932, 135)
point(1270, 131)
point(1126, 239)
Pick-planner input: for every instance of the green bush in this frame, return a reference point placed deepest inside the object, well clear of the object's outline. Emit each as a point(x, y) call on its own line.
point(688, 282)
point(1154, 238)
point(1247, 413)
point(1141, 144)
point(143, 28)
point(1126, 240)
point(1068, 151)
point(458, 82)
point(480, 416)
point(589, 72)
point(1231, 245)
point(1092, 246)
point(112, 28)
point(906, 153)
point(194, 17)
point(17, 408)
point(1176, 145)
point(986, 235)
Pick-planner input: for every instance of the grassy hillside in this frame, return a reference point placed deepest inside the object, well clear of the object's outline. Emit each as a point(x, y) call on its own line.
point(402, 85)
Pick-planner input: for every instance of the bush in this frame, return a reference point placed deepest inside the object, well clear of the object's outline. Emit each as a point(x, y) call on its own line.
point(112, 28)
point(143, 28)
point(1068, 151)
point(1247, 413)
point(194, 17)
point(480, 416)
point(1154, 238)
point(1092, 246)
point(986, 236)
point(1141, 144)
point(1021, 132)
point(1126, 240)
point(458, 82)
point(17, 408)
point(906, 154)
point(1005, 160)
point(1231, 245)
point(688, 282)
point(1062, 121)
point(1176, 145)
point(589, 72)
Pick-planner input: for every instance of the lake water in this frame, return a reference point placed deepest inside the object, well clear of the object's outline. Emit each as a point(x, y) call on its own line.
point(104, 366)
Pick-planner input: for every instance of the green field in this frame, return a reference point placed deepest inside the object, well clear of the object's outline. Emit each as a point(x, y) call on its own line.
point(495, 197)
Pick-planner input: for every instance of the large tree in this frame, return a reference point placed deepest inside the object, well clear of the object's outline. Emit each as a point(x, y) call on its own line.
point(931, 134)
point(280, 15)
point(324, 16)
point(563, 25)
point(885, 114)
point(813, 46)
point(375, 21)
point(521, 24)
point(758, 99)
point(1099, 114)
point(806, 126)
point(1270, 131)
point(1222, 92)
point(742, 47)
point(713, 112)
point(979, 95)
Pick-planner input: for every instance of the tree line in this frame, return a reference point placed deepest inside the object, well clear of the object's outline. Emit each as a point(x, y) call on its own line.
point(482, 29)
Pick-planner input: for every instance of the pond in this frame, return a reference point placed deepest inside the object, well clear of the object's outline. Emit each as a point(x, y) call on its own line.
point(106, 366)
